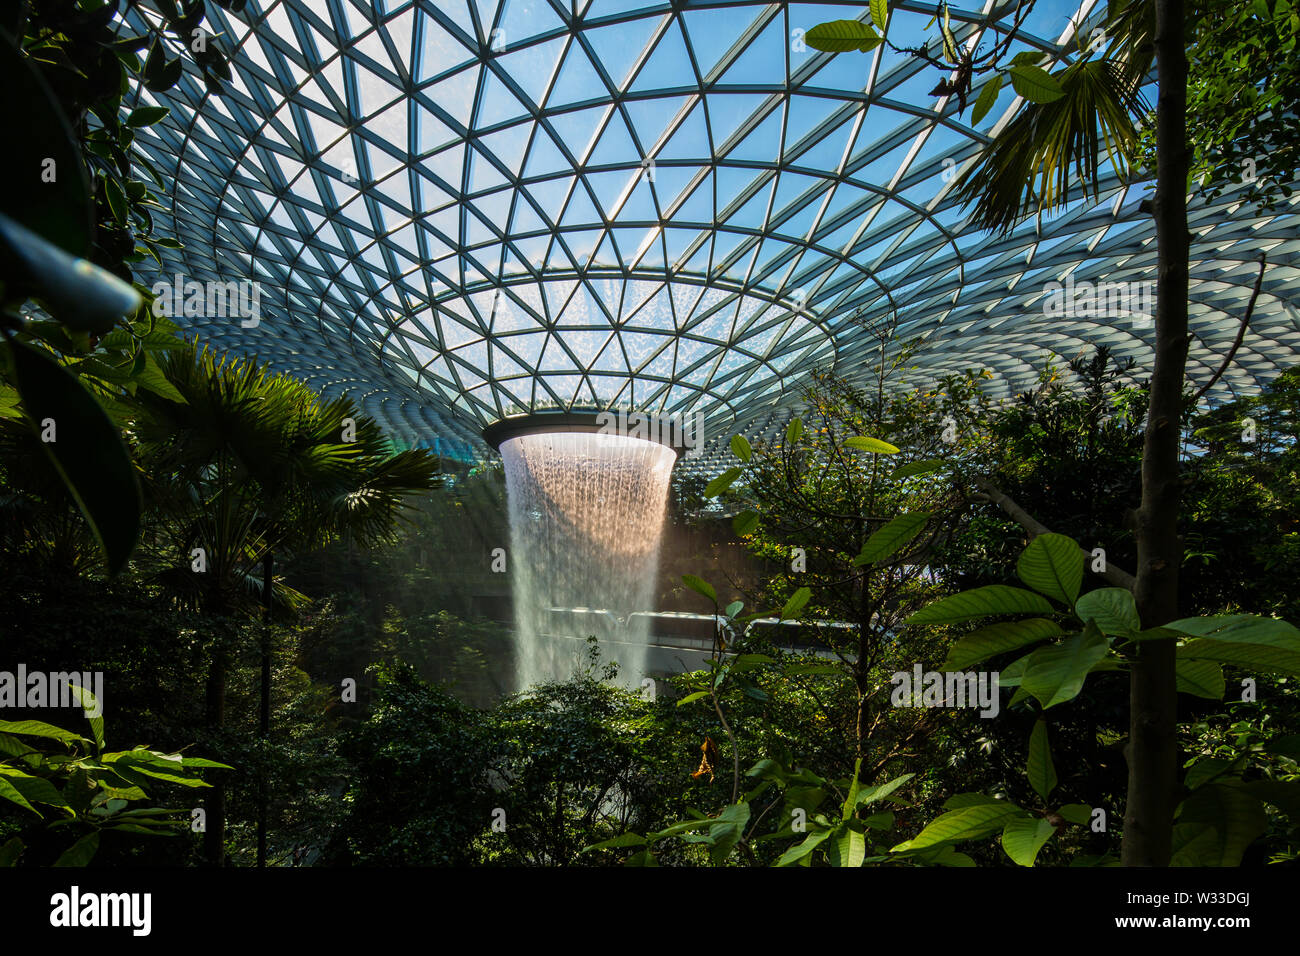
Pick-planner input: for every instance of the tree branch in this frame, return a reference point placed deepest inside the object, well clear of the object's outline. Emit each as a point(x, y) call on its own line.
point(1113, 574)
point(1241, 334)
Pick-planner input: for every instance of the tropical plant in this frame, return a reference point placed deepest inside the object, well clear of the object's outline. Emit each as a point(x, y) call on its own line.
point(88, 790)
point(1102, 631)
point(248, 464)
point(1029, 167)
point(76, 222)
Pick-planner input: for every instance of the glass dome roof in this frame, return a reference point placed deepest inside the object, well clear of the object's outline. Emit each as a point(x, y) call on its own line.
point(462, 209)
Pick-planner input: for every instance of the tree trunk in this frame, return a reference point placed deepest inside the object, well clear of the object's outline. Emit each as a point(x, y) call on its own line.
point(264, 717)
point(1152, 749)
point(214, 833)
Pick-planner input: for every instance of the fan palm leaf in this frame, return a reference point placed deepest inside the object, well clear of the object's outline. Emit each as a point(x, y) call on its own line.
point(1034, 164)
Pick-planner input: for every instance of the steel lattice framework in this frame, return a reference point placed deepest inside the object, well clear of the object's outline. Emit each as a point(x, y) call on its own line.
point(462, 209)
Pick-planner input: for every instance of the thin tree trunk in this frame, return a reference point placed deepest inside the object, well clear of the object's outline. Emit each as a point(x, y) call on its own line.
point(1152, 747)
point(214, 833)
point(264, 717)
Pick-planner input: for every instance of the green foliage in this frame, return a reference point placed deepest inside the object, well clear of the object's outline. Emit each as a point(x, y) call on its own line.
point(74, 786)
point(1243, 86)
point(244, 463)
point(70, 227)
point(420, 791)
point(1218, 821)
point(849, 837)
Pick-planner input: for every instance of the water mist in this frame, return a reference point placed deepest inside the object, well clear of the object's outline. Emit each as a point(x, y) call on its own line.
point(586, 517)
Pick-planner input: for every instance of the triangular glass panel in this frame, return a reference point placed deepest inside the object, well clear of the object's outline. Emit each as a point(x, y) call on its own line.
point(499, 105)
point(727, 111)
point(577, 80)
point(533, 66)
point(691, 140)
point(580, 211)
point(608, 187)
point(669, 59)
point(577, 129)
point(805, 113)
point(618, 47)
point(763, 61)
point(615, 146)
point(763, 142)
point(714, 32)
point(455, 94)
point(508, 145)
point(650, 117)
point(544, 157)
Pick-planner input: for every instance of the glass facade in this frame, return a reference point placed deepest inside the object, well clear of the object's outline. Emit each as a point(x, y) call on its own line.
point(460, 210)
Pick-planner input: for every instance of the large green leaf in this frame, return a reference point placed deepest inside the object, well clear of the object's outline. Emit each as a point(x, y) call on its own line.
point(998, 638)
point(740, 447)
point(966, 823)
point(1052, 564)
point(800, 851)
point(147, 116)
point(1035, 84)
point(981, 602)
point(78, 293)
point(987, 98)
point(11, 793)
point(796, 603)
point(1201, 678)
point(59, 209)
point(1241, 628)
point(744, 523)
point(848, 848)
point(89, 706)
point(851, 801)
point(1256, 656)
point(1216, 825)
point(892, 536)
point(727, 829)
point(863, 443)
point(37, 728)
point(1041, 772)
point(1112, 608)
point(1056, 674)
point(88, 452)
point(1076, 813)
point(624, 839)
point(151, 376)
point(880, 14)
point(1022, 838)
point(700, 586)
point(721, 483)
point(36, 789)
point(842, 36)
point(869, 795)
point(81, 852)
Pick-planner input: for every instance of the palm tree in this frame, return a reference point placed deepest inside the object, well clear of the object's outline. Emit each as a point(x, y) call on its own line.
point(248, 465)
